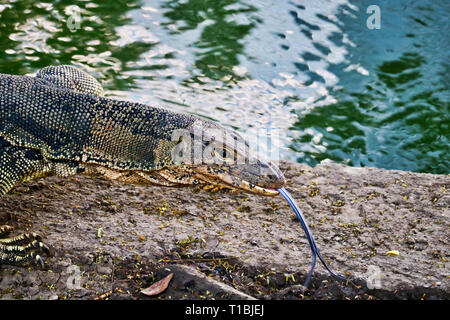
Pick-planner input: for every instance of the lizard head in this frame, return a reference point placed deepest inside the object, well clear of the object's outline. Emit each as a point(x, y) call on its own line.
point(208, 152)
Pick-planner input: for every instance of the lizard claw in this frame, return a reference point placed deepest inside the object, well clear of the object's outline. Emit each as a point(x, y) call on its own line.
point(37, 259)
point(20, 249)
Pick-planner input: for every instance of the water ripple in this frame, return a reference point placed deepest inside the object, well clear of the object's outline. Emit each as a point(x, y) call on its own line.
point(312, 72)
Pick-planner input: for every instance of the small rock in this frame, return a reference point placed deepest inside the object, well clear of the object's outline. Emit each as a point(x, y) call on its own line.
point(33, 291)
point(104, 270)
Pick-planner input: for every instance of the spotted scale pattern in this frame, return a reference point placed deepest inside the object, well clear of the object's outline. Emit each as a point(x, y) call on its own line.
point(59, 123)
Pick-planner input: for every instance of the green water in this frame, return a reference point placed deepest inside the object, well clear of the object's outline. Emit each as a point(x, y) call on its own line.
point(311, 71)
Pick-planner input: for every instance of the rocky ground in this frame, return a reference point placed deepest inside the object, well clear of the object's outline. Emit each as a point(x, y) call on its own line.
point(386, 231)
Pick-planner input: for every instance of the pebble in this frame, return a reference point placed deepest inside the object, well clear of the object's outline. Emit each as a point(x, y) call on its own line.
point(104, 270)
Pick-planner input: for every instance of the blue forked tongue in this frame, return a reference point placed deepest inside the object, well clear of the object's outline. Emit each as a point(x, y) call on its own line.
point(315, 251)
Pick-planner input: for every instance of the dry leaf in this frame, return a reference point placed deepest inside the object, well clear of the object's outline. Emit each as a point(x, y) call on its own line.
point(158, 286)
point(162, 226)
point(393, 253)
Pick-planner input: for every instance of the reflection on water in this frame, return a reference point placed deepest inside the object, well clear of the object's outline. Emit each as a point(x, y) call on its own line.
point(312, 71)
point(392, 95)
point(223, 24)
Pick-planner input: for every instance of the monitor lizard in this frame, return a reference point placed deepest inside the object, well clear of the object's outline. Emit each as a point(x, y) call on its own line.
point(59, 123)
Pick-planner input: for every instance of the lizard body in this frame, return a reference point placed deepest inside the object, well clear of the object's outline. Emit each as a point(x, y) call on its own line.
point(58, 122)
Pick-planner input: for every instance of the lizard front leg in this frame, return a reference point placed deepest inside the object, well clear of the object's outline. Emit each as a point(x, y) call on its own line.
point(22, 248)
point(17, 165)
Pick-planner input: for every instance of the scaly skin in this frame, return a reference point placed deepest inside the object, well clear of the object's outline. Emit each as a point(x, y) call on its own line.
point(59, 123)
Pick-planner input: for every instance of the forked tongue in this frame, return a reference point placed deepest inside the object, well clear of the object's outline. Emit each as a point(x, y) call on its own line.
point(315, 251)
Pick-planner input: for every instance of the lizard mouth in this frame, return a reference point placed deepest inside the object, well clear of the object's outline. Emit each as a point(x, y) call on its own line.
point(243, 185)
point(224, 178)
point(232, 178)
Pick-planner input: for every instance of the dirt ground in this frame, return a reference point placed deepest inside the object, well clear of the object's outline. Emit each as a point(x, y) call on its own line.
point(386, 231)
